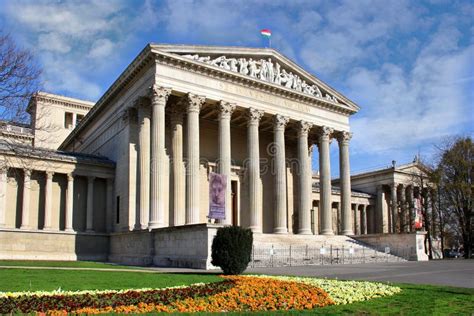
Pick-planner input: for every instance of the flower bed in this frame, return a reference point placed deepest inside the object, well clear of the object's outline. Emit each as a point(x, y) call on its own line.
point(234, 293)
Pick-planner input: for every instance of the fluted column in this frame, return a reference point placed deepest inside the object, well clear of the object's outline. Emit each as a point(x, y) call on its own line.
point(194, 105)
point(343, 139)
point(109, 204)
point(159, 96)
point(356, 219)
point(363, 220)
point(47, 200)
point(382, 212)
point(394, 206)
point(305, 177)
point(177, 164)
point(69, 202)
point(253, 152)
point(90, 205)
point(279, 124)
point(144, 133)
point(411, 208)
point(3, 196)
point(325, 206)
point(25, 212)
point(224, 160)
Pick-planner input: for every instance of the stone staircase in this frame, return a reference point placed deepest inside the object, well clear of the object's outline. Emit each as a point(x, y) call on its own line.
point(272, 250)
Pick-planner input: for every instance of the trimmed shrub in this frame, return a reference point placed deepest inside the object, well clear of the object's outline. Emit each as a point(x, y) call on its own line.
point(231, 249)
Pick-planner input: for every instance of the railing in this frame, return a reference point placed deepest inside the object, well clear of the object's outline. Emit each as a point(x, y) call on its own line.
point(15, 129)
point(283, 255)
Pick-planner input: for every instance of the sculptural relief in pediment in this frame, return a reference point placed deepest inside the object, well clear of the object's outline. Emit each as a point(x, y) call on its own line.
point(265, 70)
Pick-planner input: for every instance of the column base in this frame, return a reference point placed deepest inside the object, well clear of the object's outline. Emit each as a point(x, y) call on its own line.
point(280, 230)
point(256, 229)
point(327, 232)
point(153, 225)
point(25, 227)
point(90, 230)
point(305, 231)
point(348, 232)
point(69, 230)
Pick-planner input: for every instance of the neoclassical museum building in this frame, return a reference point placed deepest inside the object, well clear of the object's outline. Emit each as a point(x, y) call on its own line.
point(126, 179)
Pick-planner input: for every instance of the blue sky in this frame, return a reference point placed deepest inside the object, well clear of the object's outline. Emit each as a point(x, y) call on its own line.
point(408, 64)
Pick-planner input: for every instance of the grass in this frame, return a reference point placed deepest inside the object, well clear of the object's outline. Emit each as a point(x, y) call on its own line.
point(48, 280)
point(65, 264)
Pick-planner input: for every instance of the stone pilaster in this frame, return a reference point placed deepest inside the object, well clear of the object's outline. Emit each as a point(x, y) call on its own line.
point(179, 189)
point(3, 195)
point(144, 133)
point(48, 200)
point(109, 205)
point(90, 204)
point(194, 104)
point(69, 202)
point(25, 213)
point(159, 96)
point(305, 178)
point(279, 124)
point(363, 220)
point(253, 152)
point(224, 160)
point(394, 208)
point(345, 174)
point(325, 206)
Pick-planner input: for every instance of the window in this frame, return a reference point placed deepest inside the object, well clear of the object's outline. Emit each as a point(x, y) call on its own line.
point(68, 120)
point(117, 214)
point(79, 118)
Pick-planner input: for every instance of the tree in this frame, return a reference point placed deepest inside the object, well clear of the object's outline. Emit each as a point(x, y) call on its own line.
point(19, 79)
point(232, 248)
point(456, 174)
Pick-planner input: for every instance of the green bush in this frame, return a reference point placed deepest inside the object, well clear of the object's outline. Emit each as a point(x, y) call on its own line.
point(231, 249)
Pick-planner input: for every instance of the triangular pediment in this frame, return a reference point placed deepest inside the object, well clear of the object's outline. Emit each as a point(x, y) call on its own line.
point(263, 64)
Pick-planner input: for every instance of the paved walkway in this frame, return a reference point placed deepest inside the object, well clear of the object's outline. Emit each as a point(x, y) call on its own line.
point(458, 273)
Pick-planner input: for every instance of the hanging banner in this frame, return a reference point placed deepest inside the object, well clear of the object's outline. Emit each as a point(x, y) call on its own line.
point(217, 196)
point(418, 214)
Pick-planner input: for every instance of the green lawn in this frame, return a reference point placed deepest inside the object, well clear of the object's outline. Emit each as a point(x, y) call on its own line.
point(37, 279)
point(65, 264)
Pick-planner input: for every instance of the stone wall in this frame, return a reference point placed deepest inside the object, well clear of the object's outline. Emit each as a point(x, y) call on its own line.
point(181, 246)
point(18, 244)
point(410, 246)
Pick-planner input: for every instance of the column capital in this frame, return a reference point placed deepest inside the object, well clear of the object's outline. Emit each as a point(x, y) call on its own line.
point(304, 127)
point(324, 133)
point(177, 111)
point(27, 172)
point(343, 137)
point(3, 169)
point(280, 121)
point(129, 114)
point(158, 94)
point(225, 109)
point(49, 174)
point(70, 177)
point(91, 178)
point(254, 115)
point(194, 102)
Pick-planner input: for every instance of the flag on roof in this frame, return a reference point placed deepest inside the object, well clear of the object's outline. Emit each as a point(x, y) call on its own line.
point(266, 32)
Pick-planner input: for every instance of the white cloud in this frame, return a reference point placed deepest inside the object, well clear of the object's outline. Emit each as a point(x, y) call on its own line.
point(53, 42)
point(101, 48)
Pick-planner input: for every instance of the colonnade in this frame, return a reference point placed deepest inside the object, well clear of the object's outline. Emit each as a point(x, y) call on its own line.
point(48, 201)
point(186, 178)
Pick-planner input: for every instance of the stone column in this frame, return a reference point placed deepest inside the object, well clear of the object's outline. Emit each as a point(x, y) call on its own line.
point(305, 177)
point(343, 139)
point(403, 210)
point(69, 202)
point(394, 207)
point(3, 196)
point(325, 206)
point(253, 152)
point(179, 189)
point(90, 205)
point(194, 105)
point(381, 217)
point(224, 160)
point(356, 219)
point(48, 200)
point(280, 220)
point(25, 212)
point(159, 96)
point(109, 205)
point(144, 133)
point(411, 208)
point(363, 220)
